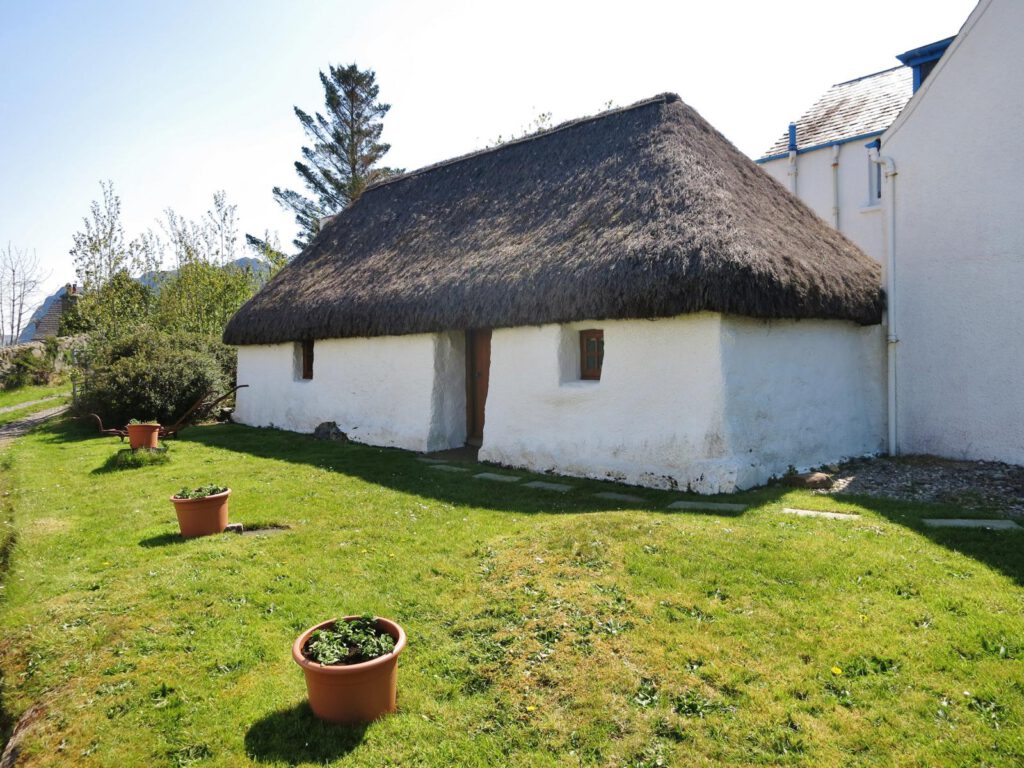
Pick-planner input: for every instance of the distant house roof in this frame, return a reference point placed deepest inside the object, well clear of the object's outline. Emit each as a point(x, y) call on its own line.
point(855, 109)
point(640, 212)
point(45, 321)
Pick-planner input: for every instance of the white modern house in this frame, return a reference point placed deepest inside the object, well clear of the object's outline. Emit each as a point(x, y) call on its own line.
point(921, 166)
point(623, 296)
point(954, 164)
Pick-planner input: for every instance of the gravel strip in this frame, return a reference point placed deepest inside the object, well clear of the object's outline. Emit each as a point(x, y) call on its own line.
point(978, 486)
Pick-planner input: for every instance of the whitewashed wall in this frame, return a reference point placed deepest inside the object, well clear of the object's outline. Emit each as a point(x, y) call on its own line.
point(699, 401)
point(401, 391)
point(960, 247)
point(803, 393)
point(860, 217)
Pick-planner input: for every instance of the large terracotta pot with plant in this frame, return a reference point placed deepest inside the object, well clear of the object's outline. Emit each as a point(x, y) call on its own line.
point(351, 667)
point(143, 434)
point(201, 511)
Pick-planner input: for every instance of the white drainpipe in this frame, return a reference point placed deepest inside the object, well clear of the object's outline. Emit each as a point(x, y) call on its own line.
point(889, 168)
point(835, 186)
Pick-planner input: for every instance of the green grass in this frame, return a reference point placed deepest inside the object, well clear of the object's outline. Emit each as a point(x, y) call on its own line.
point(9, 397)
point(544, 630)
point(21, 413)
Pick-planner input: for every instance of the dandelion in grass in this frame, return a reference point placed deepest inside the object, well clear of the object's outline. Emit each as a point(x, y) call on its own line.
point(837, 671)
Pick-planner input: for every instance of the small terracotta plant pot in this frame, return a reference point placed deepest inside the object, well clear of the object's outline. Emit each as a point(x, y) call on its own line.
point(202, 517)
point(352, 693)
point(144, 436)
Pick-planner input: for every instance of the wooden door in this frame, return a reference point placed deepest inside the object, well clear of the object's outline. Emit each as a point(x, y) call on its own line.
point(478, 374)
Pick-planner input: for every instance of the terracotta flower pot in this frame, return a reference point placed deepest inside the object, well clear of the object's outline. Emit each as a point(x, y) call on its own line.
point(202, 517)
point(143, 436)
point(351, 693)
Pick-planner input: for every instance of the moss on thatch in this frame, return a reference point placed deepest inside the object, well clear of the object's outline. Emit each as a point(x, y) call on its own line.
point(640, 212)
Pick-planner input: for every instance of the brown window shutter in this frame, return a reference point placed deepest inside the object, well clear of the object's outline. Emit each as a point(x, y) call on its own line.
point(307, 359)
point(591, 354)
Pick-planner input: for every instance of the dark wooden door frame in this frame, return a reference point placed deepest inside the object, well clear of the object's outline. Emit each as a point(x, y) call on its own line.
point(478, 374)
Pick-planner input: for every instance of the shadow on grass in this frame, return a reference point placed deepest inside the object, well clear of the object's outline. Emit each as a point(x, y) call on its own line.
point(1002, 550)
point(295, 736)
point(163, 540)
point(401, 471)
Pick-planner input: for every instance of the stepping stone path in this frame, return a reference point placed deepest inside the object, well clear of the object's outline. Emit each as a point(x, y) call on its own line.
point(819, 513)
point(611, 496)
point(715, 506)
point(448, 468)
point(543, 486)
point(496, 477)
point(990, 525)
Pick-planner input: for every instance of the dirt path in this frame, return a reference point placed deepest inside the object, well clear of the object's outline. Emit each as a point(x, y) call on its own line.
point(15, 429)
point(29, 404)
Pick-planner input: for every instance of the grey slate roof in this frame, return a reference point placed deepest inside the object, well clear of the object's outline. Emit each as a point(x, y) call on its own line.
point(49, 323)
point(866, 105)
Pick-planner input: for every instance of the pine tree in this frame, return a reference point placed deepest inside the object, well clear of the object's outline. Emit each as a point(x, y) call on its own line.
point(346, 148)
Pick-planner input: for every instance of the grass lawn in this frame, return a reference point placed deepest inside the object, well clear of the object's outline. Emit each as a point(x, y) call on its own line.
point(10, 397)
point(544, 629)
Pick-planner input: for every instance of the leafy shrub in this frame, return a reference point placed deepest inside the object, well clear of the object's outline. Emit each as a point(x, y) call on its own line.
point(28, 368)
point(348, 642)
point(129, 459)
point(152, 374)
point(200, 493)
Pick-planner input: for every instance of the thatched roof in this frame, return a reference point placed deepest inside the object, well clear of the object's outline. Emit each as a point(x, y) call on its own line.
point(640, 212)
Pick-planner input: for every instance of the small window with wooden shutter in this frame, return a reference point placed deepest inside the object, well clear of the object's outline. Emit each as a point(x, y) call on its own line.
point(591, 354)
point(307, 359)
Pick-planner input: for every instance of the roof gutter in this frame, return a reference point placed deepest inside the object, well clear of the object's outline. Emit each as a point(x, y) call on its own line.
point(892, 338)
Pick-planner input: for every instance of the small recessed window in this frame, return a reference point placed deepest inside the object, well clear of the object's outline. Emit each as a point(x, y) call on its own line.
point(307, 359)
point(874, 182)
point(591, 354)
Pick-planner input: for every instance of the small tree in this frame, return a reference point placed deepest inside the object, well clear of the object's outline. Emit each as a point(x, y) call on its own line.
point(20, 278)
point(100, 250)
point(345, 151)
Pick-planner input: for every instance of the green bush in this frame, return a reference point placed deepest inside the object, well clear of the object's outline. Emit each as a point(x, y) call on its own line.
point(151, 374)
point(27, 368)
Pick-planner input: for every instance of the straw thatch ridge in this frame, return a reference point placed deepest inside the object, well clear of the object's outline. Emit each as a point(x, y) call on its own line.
point(640, 212)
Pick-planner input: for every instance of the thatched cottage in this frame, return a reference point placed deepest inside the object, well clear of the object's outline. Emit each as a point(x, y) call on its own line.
point(623, 296)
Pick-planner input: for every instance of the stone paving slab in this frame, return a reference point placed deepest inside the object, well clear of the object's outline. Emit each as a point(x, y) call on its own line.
point(992, 525)
point(716, 506)
point(612, 496)
point(448, 468)
point(543, 486)
point(498, 478)
point(820, 513)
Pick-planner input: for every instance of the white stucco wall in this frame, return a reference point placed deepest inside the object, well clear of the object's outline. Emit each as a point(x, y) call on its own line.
point(699, 401)
point(959, 300)
point(860, 218)
point(401, 391)
point(801, 393)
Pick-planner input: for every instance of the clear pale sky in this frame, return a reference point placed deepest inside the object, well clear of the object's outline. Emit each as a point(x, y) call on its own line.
point(174, 100)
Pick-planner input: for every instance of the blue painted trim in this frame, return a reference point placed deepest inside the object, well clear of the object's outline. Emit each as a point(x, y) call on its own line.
point(837, 142)
point(919, 56)
point(925, 53)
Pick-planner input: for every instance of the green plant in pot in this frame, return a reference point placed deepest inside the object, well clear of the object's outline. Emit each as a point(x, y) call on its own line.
point(351, 667)
point(143, 434)
point(201, 511)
